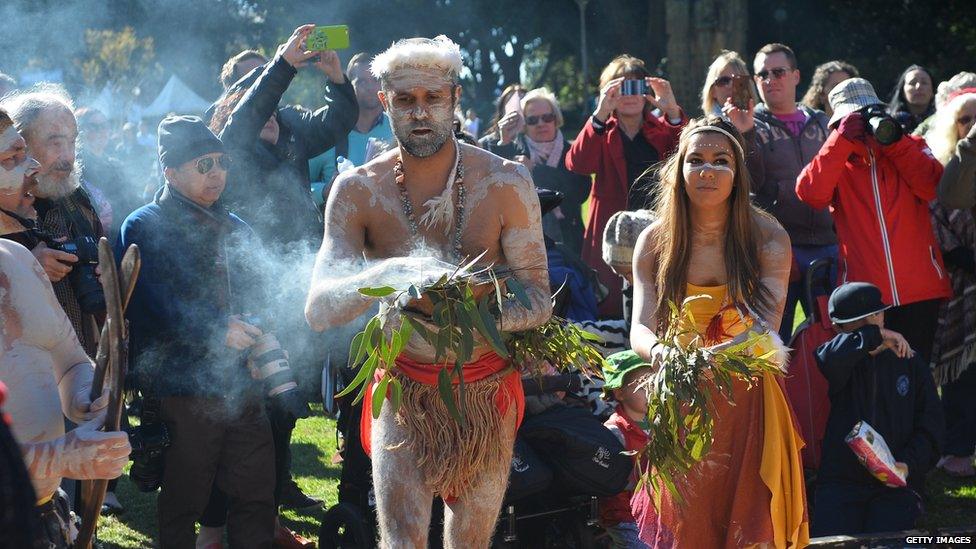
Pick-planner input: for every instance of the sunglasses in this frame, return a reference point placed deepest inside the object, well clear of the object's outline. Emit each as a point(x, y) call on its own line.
point(964, 120)
point(207, 163)
point(547, 118)
point(778, 73)
point(722, 81)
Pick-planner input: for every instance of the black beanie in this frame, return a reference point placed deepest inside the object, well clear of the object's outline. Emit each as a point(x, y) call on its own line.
point(183, 138)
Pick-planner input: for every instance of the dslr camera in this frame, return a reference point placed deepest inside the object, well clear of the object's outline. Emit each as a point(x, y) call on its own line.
point(268, 363)
point(149, 442)
point(82, 277)
point(882, 126)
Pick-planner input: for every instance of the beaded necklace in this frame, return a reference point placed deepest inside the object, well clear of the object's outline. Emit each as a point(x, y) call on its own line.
point(458, 207)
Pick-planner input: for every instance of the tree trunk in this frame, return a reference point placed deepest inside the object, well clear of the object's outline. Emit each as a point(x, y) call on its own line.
point(698, 30)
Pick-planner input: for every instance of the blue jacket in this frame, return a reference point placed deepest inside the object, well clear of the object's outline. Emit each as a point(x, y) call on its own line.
point(194, 274)
point(895, 396)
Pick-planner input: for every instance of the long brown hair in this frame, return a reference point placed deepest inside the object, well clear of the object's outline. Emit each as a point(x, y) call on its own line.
point(672, 245)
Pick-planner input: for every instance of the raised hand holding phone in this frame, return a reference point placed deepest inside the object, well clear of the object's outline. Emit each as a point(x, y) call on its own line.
point(293, 50)
point(663, 97)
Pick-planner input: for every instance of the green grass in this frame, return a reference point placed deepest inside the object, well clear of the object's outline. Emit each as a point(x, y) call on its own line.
point(313, 445)
point(950, 503)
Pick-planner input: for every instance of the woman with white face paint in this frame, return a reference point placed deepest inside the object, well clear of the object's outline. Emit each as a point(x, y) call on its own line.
point(709, 240)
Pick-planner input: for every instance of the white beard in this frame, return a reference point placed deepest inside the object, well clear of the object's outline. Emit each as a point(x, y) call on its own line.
point(54, 188)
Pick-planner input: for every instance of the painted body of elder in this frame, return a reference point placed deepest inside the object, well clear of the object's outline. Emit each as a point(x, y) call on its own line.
point(367, 217)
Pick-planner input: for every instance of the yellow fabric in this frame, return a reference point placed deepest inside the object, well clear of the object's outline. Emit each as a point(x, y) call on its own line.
point(781, 469)
point(42, 501)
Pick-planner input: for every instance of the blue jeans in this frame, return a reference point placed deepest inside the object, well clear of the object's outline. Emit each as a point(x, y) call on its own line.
point(624, 536)
point(796, 292)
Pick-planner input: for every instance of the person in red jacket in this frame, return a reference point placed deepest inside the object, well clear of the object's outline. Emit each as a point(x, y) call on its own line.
point(878, 196)
point(625, 136)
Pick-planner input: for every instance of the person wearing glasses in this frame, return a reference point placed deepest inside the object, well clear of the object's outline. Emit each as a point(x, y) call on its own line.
point(628, 133)
point(787, 136)
point(542, 149)
point(187, 341)
point(718, 82)
point(951, 138)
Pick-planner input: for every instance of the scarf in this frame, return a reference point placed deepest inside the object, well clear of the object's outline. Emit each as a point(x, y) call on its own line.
point(548, 153)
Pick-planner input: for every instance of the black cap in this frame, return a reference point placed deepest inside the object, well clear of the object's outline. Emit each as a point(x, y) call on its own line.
point(854, 301)
point(183, 138)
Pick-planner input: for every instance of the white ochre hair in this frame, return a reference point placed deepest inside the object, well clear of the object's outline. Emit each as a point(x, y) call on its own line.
point(439, 54)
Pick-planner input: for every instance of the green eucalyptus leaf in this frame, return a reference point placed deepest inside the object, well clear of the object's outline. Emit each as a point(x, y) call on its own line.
point(379, 395)
point(396, 394)
point(381, 291)
point(447, 395)
point(518, 290)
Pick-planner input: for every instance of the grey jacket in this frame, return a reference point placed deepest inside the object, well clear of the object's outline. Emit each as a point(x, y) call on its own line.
point(779, 158)
point(957, 188)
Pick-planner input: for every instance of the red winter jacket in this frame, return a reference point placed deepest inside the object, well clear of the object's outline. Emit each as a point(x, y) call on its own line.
point(602, 153)
point(879, 198)
point(616, 509)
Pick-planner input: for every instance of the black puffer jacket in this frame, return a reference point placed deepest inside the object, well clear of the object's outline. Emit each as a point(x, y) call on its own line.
point(268, 184)
point(895, 396)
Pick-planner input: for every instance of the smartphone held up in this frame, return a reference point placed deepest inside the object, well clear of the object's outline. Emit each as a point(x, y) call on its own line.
point(328, 37)
point(637, 86)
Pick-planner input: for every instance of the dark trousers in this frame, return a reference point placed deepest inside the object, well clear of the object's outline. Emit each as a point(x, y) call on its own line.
point(213, 446)
point(917, 322)
point(851, 509)
point(282, 425)
point(959, 405)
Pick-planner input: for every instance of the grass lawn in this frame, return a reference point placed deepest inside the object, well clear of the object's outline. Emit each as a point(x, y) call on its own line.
point(313, 445)
point(950, 503)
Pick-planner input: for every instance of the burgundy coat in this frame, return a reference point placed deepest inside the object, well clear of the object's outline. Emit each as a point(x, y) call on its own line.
point(603, 154)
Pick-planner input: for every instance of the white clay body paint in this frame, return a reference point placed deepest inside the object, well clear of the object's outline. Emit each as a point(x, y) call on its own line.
point(708, 166)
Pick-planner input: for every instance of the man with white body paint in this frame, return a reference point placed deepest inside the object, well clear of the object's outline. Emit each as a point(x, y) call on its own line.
point(386, 211)
point(48, 374)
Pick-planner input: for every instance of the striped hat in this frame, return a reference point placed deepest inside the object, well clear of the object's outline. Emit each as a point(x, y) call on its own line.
point(849, 96)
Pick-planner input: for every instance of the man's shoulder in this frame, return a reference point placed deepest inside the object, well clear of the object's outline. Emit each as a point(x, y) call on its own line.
point(497, 170)
point(145, 215)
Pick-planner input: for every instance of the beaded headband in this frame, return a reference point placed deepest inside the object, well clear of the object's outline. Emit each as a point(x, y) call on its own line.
point(722, 131)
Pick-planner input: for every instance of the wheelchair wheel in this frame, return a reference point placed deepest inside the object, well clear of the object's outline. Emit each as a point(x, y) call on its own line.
point(346, 527)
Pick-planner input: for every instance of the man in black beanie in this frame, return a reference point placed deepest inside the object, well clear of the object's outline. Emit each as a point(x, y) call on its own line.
point(187, 342)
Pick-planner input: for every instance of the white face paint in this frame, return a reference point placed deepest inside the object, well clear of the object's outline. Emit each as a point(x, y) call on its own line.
point(702, 166)
point(12, 180)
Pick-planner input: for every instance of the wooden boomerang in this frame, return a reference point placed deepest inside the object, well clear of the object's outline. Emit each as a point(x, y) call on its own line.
point(113, 336)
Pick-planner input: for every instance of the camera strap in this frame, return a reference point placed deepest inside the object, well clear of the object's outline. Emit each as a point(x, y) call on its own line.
point(75, 216)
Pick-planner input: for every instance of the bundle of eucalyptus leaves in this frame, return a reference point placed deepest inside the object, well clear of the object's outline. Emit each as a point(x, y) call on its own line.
point(451, 315)
point(681, 393)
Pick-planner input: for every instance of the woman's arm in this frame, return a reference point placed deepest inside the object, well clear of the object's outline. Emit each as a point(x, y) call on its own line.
point(775, 257)
point(643, 336)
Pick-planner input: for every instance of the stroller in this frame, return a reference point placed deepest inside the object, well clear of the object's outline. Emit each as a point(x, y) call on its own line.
point(551, 500)
point(806, 388)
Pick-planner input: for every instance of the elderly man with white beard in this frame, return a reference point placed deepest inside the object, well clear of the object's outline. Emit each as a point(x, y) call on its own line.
point(43, 115)
point(44, 367)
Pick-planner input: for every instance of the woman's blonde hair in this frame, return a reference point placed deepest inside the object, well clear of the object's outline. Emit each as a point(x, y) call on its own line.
point(943, 136)
point(543, 94)
point(725, 59)
point(672, 246)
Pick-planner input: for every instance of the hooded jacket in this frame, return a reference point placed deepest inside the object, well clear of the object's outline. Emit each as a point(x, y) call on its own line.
point(895, 396)
point(879, 198)
point(780, 156)
point(268, 184)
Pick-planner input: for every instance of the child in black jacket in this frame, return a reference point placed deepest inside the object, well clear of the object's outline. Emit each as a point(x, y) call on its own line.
point(874, 376)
